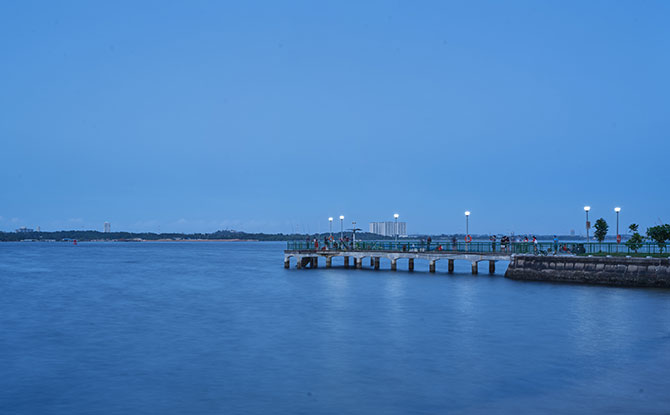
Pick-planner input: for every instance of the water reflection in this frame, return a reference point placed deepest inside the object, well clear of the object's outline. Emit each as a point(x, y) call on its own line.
point(186, 326)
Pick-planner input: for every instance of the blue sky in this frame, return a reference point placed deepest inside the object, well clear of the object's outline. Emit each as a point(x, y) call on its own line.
point(272, 116)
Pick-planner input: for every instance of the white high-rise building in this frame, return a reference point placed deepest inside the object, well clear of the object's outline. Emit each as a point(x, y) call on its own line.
point(108, 227)
point(388, 228)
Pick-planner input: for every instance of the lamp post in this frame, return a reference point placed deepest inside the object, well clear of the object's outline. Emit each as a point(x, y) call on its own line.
point(341, 227)
point(588, 224)
point(330, 220)
point(618, 237)
point(353, 234)
point(395, 215)
point(467, 230)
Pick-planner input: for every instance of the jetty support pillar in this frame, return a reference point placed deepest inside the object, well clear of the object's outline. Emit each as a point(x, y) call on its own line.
point(346, 262)
point(431, 266)
point(315, 262)
point(358, 262)
point(304, 261)
point(475, 270)
point(410, 265)
point(377, 261)
point(287, 263)
point(329, 262)
point(451, 266)
point(372, 261)
point(492, 267)
point(394, 264)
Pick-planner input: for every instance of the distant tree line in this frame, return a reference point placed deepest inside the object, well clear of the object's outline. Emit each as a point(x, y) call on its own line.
point(150, 236)
point(660, 234)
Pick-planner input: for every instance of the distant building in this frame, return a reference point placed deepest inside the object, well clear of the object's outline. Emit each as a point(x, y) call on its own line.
point(572, 232)
point(388, 228)
point(108, 227)
point(38, 229)
point(23, 229)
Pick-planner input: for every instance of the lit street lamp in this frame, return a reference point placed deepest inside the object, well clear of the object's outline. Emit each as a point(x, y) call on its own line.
point(467, 230)
point(341, 227)
point(618, 237)
point(331, 227)
point(588, 224)
point(395, 215)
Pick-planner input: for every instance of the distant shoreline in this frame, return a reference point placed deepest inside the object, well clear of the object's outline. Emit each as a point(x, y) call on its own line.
point(24, 234)
point(140, 240)
point(198, 240)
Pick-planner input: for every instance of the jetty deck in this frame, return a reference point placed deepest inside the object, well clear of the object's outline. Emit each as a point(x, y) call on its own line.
point(307, 254)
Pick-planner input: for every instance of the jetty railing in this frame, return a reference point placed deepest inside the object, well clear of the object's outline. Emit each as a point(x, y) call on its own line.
point(541, 248)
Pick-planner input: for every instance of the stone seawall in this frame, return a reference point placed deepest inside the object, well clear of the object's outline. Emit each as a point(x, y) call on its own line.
point(631, 272)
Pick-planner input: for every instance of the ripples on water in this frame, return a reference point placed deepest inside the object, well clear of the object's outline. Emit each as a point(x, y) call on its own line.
point(221, 328)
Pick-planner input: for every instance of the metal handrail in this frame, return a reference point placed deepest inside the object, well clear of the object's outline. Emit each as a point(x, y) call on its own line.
point(540, 248)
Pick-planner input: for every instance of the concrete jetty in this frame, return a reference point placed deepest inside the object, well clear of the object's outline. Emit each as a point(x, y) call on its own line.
point(355, 258)
point(619, 271)
point(544, 261)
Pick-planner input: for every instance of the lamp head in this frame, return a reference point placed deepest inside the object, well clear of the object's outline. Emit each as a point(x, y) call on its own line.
point(467, 213)
point(587, 208)
point(341, 217)
point(330, 219)
point(395, 215)
point(617, 209)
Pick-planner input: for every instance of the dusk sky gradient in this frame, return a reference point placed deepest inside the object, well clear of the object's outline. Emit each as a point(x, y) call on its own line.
point(272, 116)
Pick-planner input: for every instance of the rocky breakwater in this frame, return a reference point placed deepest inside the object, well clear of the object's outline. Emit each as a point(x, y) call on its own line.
point(622, 271)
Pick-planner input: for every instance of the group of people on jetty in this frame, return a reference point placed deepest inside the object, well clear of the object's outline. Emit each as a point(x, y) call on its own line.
point(503, 244)
point(506, 241)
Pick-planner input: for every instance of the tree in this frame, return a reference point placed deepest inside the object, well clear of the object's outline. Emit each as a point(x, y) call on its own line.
point(601, 229)
point(660, 234)
point(635, 241)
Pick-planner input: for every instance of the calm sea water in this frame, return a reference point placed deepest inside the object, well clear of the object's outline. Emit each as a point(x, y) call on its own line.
point(223, 328)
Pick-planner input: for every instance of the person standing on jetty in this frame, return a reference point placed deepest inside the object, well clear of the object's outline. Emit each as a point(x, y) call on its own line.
point(493, 243)
point(555, 244)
